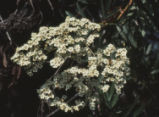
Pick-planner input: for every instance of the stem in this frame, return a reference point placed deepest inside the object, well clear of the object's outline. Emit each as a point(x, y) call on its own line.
point(55, 111)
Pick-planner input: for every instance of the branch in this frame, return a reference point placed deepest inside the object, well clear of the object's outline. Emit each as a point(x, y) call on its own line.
point(7, 33)
point(124, 10)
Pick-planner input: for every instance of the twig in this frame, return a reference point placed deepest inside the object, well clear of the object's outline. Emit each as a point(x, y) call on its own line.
point(40, 110)
point(7, 33)
point(52, 113)
point(52, 8)
point(123, 11)
point(42, 17)
point(56, 71)
point(68, 100)
point(32, 5)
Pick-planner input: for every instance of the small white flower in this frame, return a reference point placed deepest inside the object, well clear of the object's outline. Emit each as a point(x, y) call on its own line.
point(109, 49)
point(91, 38)
point(105, 88)
point(61, 49)
point(71, 50)
point(56, 62)
point(77, 48)
point(80, 39)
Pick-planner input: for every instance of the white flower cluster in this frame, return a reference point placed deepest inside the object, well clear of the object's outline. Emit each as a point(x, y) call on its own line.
point(88, 69)
point(72, 37)
point(104, 67)
point(68, 38)
point(46, 94)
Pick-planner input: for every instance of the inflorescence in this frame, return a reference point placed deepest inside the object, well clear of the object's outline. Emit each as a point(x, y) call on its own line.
point(89, 69)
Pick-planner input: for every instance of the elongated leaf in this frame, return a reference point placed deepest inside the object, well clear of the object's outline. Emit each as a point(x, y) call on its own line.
point(113, 12)
point(155, 71)
point(148, 49)
point(83, 1)
point(108, 5)
point(132, 41)
point(110, 93)
point(115, 100)
point(138, 110)
point(121, 33)
point(103, 9)
point(80, 10)
point(69, 13)
point(131, 107)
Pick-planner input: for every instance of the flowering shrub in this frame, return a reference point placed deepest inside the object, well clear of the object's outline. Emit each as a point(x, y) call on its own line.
point(89, 70)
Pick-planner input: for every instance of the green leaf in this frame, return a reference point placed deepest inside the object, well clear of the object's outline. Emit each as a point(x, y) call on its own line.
point(143, 1)
point(155, 71)
point(110, 93)
point(132, 41)
point(69, 13)
point(131, 107)
point(121, 33)
point(115, 100)
point(83, 1)
point(80, 10)
point(108, 5)
point(138, 110)
point(143, 33)
point(130, 14)
point(133, 8)
point(113, 12)
point(125, 29)
point(148, 49)
point(103, 9)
